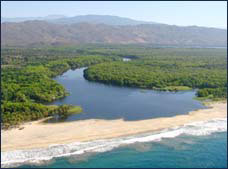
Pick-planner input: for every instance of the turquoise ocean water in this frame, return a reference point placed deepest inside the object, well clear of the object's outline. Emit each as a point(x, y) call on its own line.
point(182, 151)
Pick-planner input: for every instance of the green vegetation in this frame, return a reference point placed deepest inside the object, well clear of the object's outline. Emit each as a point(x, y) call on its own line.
point(13, 113)
point(62, 111)
point(75, 110)
point(26, 87)
point(154, 77)
point(27, 74)
point(175, 88)
point(213, 92)
point(30, 84)
point(170, 70)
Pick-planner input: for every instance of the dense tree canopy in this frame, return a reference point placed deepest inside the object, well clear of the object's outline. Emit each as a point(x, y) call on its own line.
point(167, 72)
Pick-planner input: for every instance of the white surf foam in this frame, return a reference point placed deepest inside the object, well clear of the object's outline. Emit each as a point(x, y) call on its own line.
point(36, 156)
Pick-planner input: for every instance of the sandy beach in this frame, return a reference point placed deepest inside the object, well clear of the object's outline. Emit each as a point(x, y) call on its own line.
point(40, 135)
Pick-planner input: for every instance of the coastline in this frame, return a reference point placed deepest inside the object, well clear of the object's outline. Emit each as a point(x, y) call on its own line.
point(41, 135)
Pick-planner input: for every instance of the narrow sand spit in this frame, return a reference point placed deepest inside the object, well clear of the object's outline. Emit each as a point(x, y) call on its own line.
point(40, 135)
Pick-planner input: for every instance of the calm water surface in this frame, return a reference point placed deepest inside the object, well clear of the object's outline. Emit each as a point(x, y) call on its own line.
point(100, 101)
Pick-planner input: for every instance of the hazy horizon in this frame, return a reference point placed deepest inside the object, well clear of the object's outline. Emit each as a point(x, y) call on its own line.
point(205, 14)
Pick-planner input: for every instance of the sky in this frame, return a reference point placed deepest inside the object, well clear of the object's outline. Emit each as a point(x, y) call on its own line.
point(185, 13)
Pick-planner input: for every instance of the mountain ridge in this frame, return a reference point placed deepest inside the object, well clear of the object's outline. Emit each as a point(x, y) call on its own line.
point(95, 19)
point(90, 18)
point(45, 33)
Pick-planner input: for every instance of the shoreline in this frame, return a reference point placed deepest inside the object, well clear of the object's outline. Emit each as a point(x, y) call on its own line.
point(37, 134)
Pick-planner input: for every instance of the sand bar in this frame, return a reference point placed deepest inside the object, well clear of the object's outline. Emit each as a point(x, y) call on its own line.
point(40, 135)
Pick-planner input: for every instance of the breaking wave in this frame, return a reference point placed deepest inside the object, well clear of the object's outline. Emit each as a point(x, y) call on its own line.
point(37, 156)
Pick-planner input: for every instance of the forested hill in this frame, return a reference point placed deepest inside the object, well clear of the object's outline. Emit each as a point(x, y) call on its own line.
point(41, 33)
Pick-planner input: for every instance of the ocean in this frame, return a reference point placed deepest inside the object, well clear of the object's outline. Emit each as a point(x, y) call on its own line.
point(199, 144)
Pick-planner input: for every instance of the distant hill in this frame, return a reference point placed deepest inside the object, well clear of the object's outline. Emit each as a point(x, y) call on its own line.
point(100, 19)
point(23, 19)
point(93, 19)
point(33, 33)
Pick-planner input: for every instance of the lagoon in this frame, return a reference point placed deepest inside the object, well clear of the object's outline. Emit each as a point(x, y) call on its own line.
point(100, 101)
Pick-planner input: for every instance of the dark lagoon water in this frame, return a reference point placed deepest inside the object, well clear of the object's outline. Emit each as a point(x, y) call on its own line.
point(100, 101)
